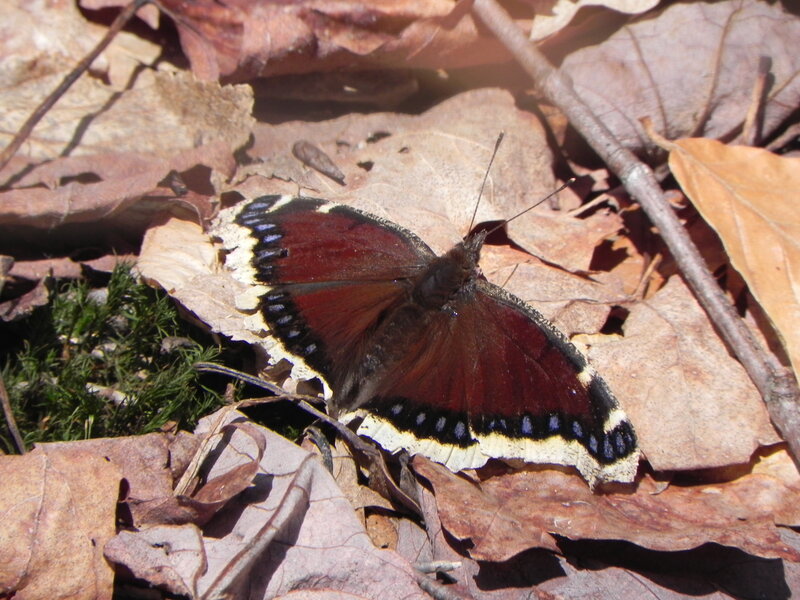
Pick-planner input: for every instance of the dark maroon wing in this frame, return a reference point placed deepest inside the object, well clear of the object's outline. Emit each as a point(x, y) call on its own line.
point(493, 378)
point(322, 274)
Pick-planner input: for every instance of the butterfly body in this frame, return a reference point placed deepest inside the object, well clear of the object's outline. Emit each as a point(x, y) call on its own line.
point(433, 358)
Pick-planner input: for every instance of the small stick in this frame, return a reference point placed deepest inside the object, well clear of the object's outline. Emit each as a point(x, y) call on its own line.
point(27, 128)
point(575, 212)
point(281, 394)
point(209, 367)
point(437, 566)
point(642, 285)
point(436, 590)
point(751, 130)
point(321, 442)
point(9, 414)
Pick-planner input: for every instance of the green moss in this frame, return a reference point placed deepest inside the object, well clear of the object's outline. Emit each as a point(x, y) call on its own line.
point(115, 361)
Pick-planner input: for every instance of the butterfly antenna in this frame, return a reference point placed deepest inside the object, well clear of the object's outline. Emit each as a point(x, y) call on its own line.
point(514, 270)
point(566, 184)
point(485, 177)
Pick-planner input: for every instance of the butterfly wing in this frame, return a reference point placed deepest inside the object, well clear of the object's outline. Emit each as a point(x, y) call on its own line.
point(493, 378)
point(320, 275)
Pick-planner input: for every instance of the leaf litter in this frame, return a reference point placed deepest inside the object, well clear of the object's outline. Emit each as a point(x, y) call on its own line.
point(275, 509)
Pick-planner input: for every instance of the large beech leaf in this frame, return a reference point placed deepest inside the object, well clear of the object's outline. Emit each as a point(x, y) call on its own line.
point(751, 197)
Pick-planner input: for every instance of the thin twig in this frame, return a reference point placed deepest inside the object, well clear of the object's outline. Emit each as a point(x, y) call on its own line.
point(9, 415)
point(641, 287)
point(436, 590)
point(775, 384)
point(27, 128)
point(383, 478)
point(322, 444)
point(751, 130)
point(209, 367)
point(437, 566)
point(303, 402)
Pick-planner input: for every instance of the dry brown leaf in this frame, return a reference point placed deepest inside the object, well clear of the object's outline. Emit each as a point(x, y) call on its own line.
point(178, 256)
point(641, 71)
point(548, 22)
point(608, 569)
point(413, 542)
point(32, 32)
point(23, 306)
point(467, 512)
point(242, 40)
point(632, 267)
point(750, 197)
point(221, 478)
point(779, 472)
point(129, 140)
point(145, 462)
point(163, 114)
point(66, 268)
point(382, 530)
point(168, 556)
point(691, 403)
point(291, 529)
point(108, 201)
point(512, 512)
point(424, 172)
point(59, 508)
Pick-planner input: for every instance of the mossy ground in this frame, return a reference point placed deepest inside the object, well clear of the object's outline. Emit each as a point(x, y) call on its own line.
point(111, 361)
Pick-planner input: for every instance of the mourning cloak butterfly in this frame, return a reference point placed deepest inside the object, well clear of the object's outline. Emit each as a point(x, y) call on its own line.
point(433, 358)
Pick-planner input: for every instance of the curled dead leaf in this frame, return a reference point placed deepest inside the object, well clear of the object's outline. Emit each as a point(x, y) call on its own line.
point(514, 511)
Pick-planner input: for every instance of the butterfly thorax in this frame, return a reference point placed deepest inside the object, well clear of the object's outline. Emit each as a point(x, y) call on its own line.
point(449, 276)
point(447, 280)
